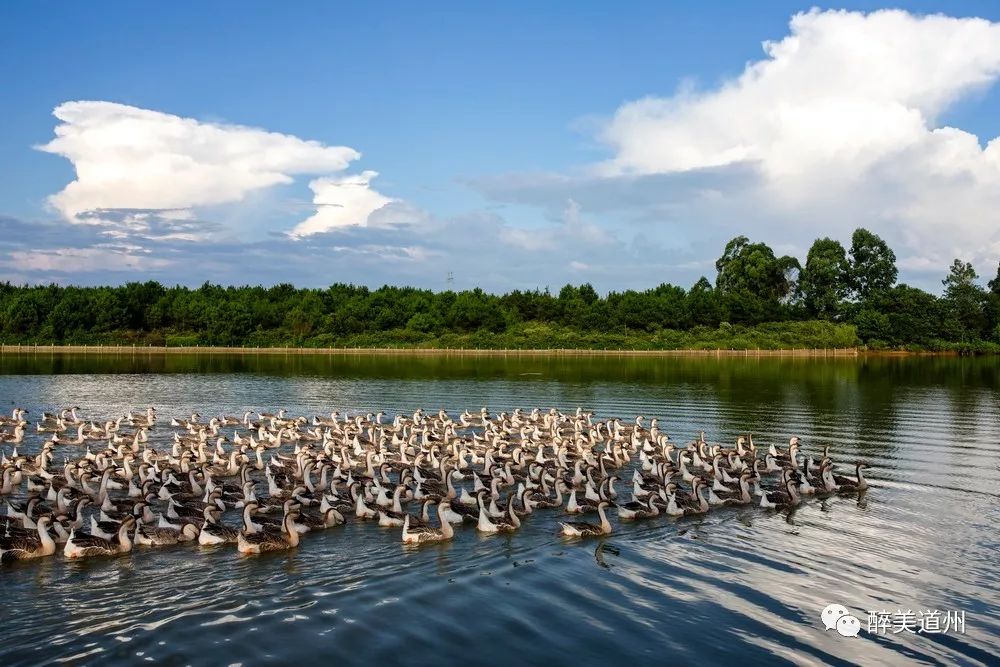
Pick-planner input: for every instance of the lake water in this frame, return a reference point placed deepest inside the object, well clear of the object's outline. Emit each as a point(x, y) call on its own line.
point(737, 585)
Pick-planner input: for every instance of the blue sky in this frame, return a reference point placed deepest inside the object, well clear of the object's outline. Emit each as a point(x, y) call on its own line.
point(510, 141)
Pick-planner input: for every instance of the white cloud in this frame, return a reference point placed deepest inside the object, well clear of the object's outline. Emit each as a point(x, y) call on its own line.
point(570, 227)
point(131, 158)
point(101, 257)
point(341, 201)
point(843, 87)
point(387, 252)
point(841, 120)
point(839, 124)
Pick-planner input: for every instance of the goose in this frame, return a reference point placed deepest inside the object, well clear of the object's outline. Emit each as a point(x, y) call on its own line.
point(10, 481)
point(789, 456)
point(24, 547)
point(812, 467)
point(787, 498)
point(82, 545)
point(577, 505)
point(307, 522)
point(858, 483)
point(424, 534)
point(393, 518)
point(154, 536)
point(693, 505)
point(16, 437)
point(741, 496)
point(264, 541)
point(212, 532)
point(638, 509)
point(425, 517)
point(362, 511)
point(511, 524)
point(106, 524)
point(825, 481)
point(458, 513)
point(266, 523)
point(543, 501)
point(583, 529)
point(359, 465)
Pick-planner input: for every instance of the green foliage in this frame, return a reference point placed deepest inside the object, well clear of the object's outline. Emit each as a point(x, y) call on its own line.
point(758, 301)
point(754, 281)
point(966, 303)
point(994, 284)
point(823, 283)
point(873, 265)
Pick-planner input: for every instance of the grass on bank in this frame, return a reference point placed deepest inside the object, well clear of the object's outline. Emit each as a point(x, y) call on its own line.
point(811, 334)
point(528, 335)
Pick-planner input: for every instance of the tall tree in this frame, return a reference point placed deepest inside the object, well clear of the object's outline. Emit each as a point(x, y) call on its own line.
point(966, 300)
point(994, 284)
point(823, 281)
point(752, 267)
point(753, 282)
point(873, 264)
point(702, 304)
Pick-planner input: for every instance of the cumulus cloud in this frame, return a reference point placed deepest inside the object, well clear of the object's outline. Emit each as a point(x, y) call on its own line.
point(131, 158)
point(147, 178)
point(841, 121)
point(838, 125)
point(341, 201)
point(843, 87)
point(100, 257)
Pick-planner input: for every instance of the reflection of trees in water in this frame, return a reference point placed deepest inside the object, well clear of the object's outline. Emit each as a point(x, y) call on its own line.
point(853, 402)
point(875, 414)
point(727, 373)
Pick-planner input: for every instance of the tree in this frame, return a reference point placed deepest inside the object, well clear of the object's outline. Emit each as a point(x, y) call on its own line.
point(873, 264)
point(823, 282)
point(966, 300)
point(992, 310)
point(873, 326)
point(994, 284)
point(703, 305)
point(753, 281)
point(913, 316)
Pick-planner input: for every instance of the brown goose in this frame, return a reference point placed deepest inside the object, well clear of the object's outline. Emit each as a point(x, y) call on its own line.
point(82, 545)
point(23, 547)
point(264, 541)
point(584, 529)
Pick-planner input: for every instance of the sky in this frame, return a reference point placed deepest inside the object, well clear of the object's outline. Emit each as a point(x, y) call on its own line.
point(515, 145)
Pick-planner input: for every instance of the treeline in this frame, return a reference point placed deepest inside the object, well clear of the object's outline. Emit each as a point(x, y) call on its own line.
point(840, 297)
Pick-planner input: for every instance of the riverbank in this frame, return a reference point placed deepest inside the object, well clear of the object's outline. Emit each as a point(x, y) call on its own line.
point(800, 339)
point(402, 351)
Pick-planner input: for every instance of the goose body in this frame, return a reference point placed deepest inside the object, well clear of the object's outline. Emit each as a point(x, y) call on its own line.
point(507, 525)
point(264, 541)
point(24, 547)
point(787, 498)
point(151, 536)
point(638, 509)
point(424, 534)
point(212, 532)
point(858, 483)
point(82, 545)
point(583, 529)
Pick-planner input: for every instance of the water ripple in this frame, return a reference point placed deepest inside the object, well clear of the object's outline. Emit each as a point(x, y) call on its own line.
point(738, 585)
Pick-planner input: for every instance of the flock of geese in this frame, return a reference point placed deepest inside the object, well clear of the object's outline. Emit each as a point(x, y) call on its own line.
point(261, 480)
